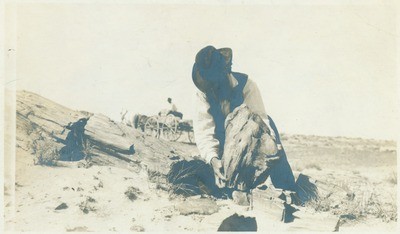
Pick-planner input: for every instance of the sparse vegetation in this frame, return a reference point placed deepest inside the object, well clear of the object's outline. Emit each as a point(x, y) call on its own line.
point(182, 188)
point(45, 153)
point(88, 153)
point(137, 228)
point(183, 179)
point(365, 204)
point(132, 193)
point(156, 180)
point(87, 205)
point(385, 210)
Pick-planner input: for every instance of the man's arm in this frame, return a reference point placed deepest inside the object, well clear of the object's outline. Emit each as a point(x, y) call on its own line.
point(253, 99)
point(204, 126)
point(206, 142)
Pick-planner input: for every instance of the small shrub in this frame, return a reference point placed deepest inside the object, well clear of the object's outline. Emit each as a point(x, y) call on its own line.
point(387, 211)
point(184, 178)
point(356, 205)
point(156, 180)
point(153, 175)
point(45, 153)
point(321, 205)
point(137, 228)
point(132, 193)
point(87, 152)
point(87, 205)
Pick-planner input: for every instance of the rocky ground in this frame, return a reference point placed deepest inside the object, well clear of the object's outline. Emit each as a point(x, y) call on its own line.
point(114, 190)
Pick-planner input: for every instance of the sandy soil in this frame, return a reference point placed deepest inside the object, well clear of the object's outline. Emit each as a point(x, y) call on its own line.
point(40, 189)
point(357, 179)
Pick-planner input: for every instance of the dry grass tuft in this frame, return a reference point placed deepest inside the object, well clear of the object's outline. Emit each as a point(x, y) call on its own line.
point(132, 193)
point(87, 205)
point(190, 178)
point(45, 153)
point(176, 185)
point(156, 179)
point(353, 206)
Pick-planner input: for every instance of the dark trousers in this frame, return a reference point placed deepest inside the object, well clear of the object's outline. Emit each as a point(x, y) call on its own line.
point(176, 114)
point(281, 174)
point(196, 177)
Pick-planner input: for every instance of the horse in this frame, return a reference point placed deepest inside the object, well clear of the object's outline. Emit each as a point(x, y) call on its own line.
point(133, 120)
point(127, 117)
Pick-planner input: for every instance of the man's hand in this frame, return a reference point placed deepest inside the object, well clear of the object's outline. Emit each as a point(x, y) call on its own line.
point(220, 179)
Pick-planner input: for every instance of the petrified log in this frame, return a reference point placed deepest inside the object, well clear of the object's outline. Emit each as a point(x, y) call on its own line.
point(111, 143)
point(248, 144)
point(106, 132)
point(276, 202)
point(271, 208)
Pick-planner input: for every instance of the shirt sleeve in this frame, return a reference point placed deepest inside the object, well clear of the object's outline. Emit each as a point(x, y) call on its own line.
point(253, 99)
point(203, 126)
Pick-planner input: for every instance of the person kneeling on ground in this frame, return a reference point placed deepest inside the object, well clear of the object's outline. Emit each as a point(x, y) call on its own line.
point(219, 92)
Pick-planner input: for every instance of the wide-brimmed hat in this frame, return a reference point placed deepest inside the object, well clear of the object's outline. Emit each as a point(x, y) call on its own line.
point(227, 53)
point(210, 67)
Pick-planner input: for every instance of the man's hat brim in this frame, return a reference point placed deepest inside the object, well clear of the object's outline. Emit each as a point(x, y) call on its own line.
point(227, 54)
point(205, 64)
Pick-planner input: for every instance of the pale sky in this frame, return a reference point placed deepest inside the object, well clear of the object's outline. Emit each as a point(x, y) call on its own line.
point(323, 70)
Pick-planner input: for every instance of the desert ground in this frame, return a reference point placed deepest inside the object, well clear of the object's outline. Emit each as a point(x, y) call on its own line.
point(356, 180)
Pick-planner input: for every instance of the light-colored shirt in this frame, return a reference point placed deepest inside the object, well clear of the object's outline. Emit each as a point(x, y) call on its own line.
point(203, 122)
point(172, 106)
point(168, 107)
